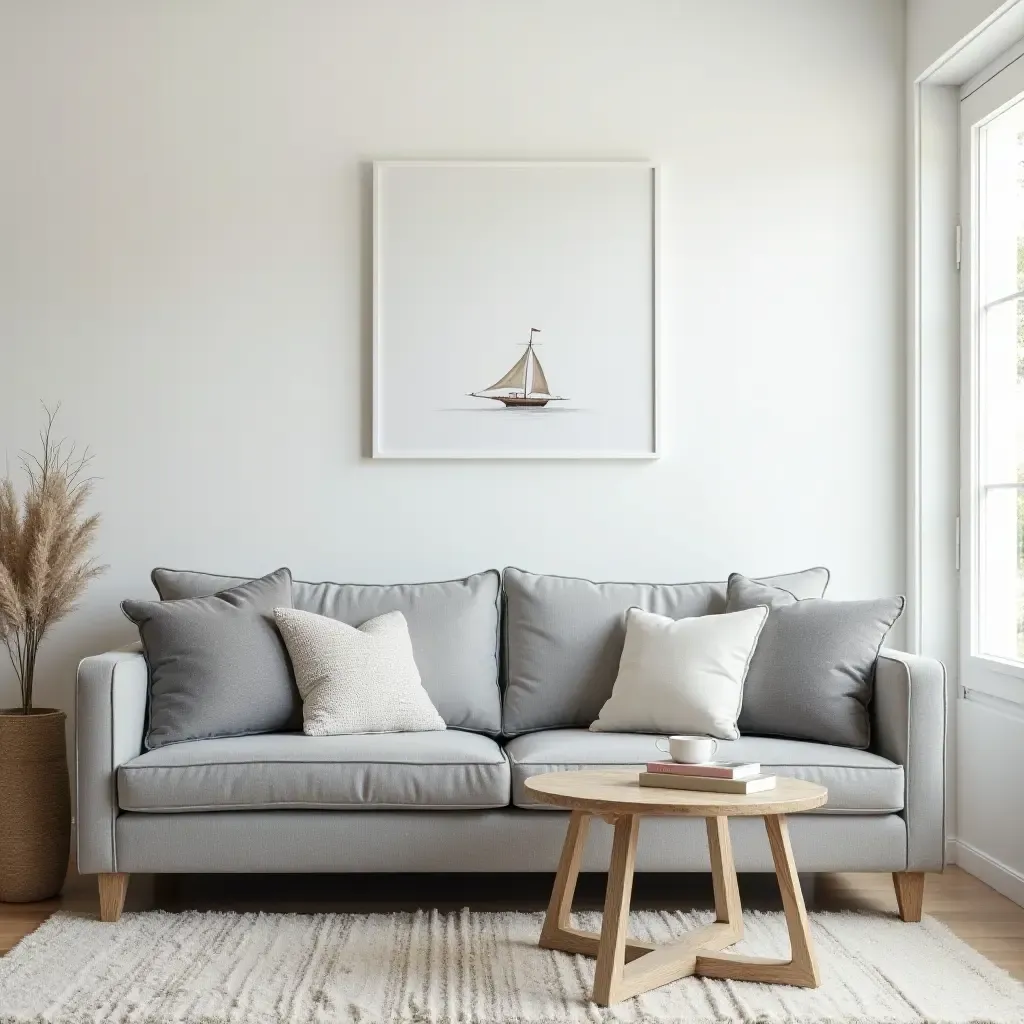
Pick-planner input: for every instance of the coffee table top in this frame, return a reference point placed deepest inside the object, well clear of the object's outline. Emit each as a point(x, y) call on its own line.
point(619, 792)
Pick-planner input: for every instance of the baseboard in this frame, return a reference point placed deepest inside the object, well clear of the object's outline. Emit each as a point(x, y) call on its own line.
point(951, 851)
point(995, 873)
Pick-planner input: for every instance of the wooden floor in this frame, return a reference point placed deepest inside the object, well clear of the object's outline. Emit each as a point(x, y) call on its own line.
point(990, 923)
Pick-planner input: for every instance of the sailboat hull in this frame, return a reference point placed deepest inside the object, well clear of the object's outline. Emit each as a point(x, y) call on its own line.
point(512, 402)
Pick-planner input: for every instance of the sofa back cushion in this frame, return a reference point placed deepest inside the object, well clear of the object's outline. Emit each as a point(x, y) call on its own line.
point(453, 625)
point(564, 637)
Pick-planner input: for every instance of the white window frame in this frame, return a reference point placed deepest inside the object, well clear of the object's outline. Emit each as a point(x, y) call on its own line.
point(982, 99)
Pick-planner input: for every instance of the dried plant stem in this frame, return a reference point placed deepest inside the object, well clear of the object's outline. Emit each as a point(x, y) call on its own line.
point(44, 542)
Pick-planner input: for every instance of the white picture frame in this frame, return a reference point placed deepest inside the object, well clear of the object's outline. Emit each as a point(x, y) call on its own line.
point(467, 257)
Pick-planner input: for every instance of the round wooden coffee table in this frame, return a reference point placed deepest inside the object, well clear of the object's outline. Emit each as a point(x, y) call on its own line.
point(626, 967)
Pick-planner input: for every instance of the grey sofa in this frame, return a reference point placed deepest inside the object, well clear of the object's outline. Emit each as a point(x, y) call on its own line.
point(518, 665)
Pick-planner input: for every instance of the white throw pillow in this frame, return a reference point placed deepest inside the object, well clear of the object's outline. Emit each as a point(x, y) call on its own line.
point(356, 680)
point(682, 676)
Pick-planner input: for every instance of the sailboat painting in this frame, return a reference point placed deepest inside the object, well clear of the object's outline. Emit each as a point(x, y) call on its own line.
point(540, 277)
point(524, 386)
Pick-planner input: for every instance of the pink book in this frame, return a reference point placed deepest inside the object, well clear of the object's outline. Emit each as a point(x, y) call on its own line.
point(710, 770)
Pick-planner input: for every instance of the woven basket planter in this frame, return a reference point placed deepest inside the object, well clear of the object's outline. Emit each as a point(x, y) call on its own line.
point(35, 805)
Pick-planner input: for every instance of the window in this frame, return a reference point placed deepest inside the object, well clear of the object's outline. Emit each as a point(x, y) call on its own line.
point(992, 497)
point(1000, 399)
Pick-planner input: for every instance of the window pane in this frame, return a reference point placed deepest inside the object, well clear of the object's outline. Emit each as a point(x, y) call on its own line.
point(1002, 557)
point(1001, 233)
point(1001, 394)
point(1000, 386)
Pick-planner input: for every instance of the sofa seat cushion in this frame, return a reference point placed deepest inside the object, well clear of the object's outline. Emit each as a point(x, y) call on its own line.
point(858, 781)
point(423, 771)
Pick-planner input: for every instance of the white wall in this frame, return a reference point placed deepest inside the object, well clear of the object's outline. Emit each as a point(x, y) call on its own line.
point(990, 828)
point(936, 26)
point(184, 211)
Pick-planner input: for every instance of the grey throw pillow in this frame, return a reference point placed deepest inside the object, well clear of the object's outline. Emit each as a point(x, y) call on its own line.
point(812, 673)
point(218, 665)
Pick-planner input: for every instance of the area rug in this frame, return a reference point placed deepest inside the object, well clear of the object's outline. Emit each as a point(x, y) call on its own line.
point(468, 967)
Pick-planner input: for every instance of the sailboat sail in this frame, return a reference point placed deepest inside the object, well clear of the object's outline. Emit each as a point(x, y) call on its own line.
point(516, 377)
point(525, 386)
point(540, 382)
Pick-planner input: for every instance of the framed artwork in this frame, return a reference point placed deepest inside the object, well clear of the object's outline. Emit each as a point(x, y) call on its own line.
point(515, 310)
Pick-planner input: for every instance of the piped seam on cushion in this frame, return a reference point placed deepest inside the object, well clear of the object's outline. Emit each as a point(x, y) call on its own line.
point(307, 806)
point(321, 583)
point(822, 812)
point(746, 666)
point(627, 765)
point(636, 583)
point(256, 764)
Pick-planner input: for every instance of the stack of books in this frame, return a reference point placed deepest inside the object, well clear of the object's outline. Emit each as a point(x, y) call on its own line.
point(714, 776)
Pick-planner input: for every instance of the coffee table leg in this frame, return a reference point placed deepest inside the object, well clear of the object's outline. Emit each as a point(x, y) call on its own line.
point(803, 963)
point(560, 905)
point(611, 953)
point(801, 968)
point(723, 876)
point(557, 932)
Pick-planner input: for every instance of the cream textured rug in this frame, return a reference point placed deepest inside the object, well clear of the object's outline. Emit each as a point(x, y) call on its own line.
point(469, 967)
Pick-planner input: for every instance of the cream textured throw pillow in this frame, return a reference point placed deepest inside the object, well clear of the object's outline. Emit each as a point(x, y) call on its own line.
point(682, 676)
point(356, 680)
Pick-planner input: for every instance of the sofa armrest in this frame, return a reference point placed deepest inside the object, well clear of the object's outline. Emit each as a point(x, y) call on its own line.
point(909, 727)
point(110, 719)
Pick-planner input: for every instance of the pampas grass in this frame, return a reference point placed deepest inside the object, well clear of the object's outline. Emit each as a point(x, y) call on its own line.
point(45, 539)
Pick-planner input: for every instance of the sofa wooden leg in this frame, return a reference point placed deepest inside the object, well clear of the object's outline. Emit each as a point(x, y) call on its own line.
point(113, 889)
point(909, 893)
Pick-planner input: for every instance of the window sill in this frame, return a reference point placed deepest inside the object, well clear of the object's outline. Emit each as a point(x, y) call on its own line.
point(1003, 680)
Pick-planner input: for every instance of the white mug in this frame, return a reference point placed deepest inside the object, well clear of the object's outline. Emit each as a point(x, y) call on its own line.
point(689, 749)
